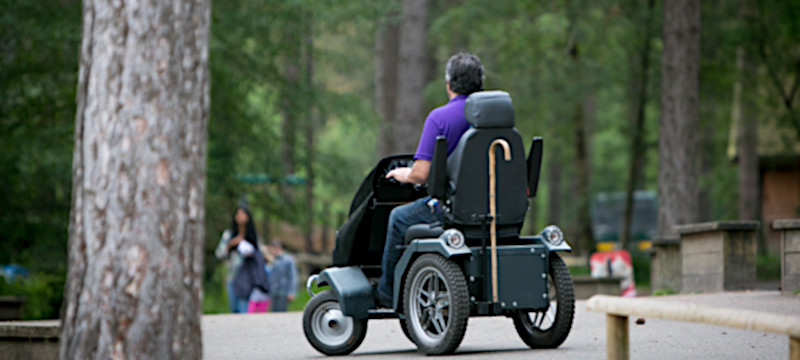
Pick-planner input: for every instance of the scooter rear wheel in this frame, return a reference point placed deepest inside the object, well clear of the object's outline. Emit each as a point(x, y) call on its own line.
point(549, 328)
point(327, 329)
point(436, 304)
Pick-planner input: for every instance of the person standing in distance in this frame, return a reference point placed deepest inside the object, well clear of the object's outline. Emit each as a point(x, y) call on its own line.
point(242, 229)
point(283, 275)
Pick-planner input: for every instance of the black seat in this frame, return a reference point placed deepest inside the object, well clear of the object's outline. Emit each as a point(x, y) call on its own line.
point(423, 231)
point(491, 115)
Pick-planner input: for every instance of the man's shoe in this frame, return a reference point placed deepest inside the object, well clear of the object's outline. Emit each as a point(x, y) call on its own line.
point(382, 302)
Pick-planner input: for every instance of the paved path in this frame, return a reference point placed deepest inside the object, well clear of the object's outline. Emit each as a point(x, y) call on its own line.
point(280, 336)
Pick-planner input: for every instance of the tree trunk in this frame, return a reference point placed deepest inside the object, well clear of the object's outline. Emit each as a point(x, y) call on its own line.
point(639, 74)
point(409, 112)
point(746, 146)
point(311, 123)
point(291, 108)
point(678, 145)
point(582, 164)
point(134, 282)
point(387, 42)
point(746, 125)
point(585, 241)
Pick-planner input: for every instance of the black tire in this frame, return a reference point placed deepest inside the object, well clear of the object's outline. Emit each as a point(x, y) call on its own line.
point(436, 319)
point(327, 329)
point(549, 328)
point(404, 327)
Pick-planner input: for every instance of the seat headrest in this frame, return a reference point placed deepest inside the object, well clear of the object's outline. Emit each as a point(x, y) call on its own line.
point(489, 109)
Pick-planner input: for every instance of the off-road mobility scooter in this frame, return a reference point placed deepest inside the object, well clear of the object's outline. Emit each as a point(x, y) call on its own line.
point(474, 264)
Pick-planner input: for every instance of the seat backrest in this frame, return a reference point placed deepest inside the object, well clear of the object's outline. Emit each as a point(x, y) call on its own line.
point(491, 115)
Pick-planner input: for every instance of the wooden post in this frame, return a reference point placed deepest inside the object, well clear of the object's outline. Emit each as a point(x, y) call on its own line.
point(617, 337)
point(794, 348)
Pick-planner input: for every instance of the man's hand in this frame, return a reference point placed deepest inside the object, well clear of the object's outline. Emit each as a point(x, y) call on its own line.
point(400, 174)
point(290, 297)
point(414, 175)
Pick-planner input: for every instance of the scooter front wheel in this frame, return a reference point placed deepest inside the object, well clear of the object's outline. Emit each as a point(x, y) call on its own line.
point(327, 329)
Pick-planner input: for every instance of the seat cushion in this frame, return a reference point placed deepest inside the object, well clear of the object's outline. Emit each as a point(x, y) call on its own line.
point(423, 231)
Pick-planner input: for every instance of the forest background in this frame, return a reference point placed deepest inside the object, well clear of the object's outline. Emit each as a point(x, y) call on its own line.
point(307, 95)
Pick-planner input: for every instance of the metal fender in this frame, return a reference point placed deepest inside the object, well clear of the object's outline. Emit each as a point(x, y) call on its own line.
point(435, 245)
point(351, 287)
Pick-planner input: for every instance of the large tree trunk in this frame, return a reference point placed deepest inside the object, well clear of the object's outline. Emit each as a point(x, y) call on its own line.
point(136, 227)
point(678, 157)
point(387, 42)
point(409, 112)
point(639, 80)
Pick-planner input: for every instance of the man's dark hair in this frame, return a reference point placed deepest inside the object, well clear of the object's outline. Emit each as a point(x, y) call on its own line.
point(464, 72)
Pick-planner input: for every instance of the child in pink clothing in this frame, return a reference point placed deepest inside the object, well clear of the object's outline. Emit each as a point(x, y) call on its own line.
point(258, 306)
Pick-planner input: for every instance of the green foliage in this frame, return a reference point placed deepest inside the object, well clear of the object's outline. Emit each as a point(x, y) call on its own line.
point(38, 72)
point(43, 294)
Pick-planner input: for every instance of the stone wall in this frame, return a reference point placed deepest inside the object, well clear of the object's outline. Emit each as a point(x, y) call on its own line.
point(718, 256)
point(790, 254)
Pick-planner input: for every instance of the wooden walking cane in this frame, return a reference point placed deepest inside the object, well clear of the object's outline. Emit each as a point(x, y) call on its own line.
point(493, 206)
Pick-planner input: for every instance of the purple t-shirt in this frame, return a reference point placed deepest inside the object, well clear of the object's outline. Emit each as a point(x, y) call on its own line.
point(447, 120)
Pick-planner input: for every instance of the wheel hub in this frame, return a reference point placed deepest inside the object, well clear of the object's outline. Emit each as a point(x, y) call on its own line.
point(331, 326)
point(433, 304)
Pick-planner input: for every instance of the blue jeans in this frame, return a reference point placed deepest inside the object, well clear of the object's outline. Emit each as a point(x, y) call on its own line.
point(417, 212)
point(236, 304)
point(279, 303)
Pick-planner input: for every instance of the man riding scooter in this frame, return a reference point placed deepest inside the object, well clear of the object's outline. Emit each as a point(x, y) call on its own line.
point(464, 75)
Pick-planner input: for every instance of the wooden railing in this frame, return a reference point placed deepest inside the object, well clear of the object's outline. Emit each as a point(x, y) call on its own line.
point(618, 310)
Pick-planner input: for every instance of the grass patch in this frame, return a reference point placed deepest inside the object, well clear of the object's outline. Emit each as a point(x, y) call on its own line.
point(215, 298)
point(580, 270)
point(664, 292)
point(302, 297)
point(768, 267)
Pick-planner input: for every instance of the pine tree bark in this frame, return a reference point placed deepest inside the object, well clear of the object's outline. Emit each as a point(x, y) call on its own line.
point(747, 141)
point(134, 283)
point(678, 143)
point(387, 43)
point(409, 112)
point(311, 123)
point(585, 238)
point(639, 74)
